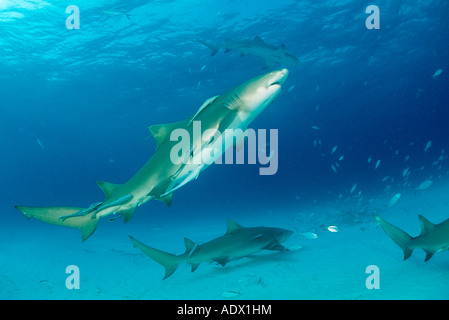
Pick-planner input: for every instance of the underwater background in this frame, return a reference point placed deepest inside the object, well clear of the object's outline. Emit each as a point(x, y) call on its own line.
point(363, 118)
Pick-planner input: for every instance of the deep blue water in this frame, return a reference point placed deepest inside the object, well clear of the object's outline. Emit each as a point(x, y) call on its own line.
point(75, 104)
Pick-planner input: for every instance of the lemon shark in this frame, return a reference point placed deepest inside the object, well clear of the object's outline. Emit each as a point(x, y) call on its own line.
point(272, 56)
point(433, 237)
point(238, 242)
point(160, 176)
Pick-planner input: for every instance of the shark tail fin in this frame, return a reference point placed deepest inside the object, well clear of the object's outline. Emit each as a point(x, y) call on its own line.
point(169, 261)
point(213, 47)
point(85, 223)
point(402, 239)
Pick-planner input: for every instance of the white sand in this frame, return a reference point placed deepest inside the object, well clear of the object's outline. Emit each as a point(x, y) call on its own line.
point(34, 256)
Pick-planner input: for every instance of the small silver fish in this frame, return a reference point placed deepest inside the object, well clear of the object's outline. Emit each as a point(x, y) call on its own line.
point(39, 142)
point(394, 200)
point(377, 164)
point(308, 235)
point(425, 185)
point(437, 73)
point(428, 145)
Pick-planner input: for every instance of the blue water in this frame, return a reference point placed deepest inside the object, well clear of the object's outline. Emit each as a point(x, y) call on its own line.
point(76, 105)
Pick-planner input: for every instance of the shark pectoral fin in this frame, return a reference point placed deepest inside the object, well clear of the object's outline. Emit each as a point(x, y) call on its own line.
point(228, 119)
point(52, 215)
point(401, 238)
point(275, 246)
point(167, 199)
point(169, 261)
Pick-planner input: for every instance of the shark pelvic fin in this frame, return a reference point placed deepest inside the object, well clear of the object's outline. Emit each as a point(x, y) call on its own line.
point(53, 215)
point(275, 246)
point(402, 239)
point(127, 214)
point(233, 226)
point(161, 132)
point(107, 188)
point(169, 261)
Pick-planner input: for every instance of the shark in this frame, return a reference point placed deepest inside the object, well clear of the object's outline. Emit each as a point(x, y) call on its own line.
point(433, 238)
point(238, 242)
point(160, 176)
point(273, 56)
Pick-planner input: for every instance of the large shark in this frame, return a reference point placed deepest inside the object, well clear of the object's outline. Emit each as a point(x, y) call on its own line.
point(160, 176)
point(433, 237)
point(238, 242)
point(272, 56)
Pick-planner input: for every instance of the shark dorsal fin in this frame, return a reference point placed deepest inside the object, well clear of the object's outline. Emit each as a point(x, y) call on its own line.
point(108, 188)
point(161, 132)
point(233, 226)
point(203, 106)
point(258, 39)
point(426, 225)
point(189, 244)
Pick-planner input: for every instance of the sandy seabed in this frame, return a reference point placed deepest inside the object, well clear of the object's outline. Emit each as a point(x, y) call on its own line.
point(34, 257)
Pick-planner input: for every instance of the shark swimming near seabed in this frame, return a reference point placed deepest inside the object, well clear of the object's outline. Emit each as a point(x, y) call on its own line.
point(272, 56)
point(238, 242)
point(433, 238)
point(160, 176)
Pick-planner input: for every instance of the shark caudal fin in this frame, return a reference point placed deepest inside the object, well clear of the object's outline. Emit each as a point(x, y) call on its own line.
point(169, 261)
point(86, 224)
point(402, 239)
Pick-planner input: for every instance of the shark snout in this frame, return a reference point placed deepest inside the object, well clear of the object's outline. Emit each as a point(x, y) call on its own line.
point(283, 235)
point(279, 77)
